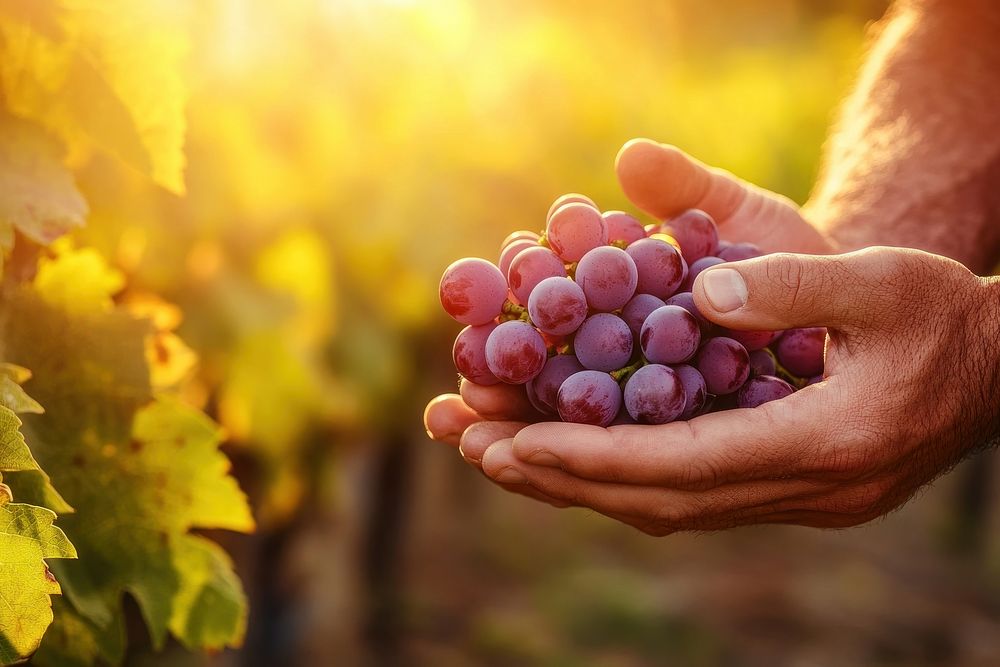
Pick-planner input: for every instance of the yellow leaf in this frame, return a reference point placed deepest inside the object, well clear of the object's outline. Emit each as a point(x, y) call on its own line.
point(78, 280)
point(111, 78)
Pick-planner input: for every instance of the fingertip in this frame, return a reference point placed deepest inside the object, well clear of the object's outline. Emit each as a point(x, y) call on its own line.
point(497, 458)
point(632, 148)
point(478, 438)
point(446, 417)
point(659, 178)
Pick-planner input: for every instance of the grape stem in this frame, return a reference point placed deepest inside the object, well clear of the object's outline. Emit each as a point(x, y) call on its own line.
point(623, 374)
point(784, 373)
point(513, 311)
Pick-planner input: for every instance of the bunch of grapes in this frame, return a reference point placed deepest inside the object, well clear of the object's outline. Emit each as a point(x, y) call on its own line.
point(595, 319)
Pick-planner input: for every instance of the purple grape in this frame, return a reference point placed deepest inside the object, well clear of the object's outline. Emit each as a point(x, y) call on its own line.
point(539, 407)
point(574, 229)
point(511, 250)
point(469, 354)
point(762, 363)
point(557, 306)
point(695, 231)
point(520, 235)
point(472, 291)
point(654, 395)
point(608, 277)
point(554, 373)
point(623, 227)
point(813, 380)
point(695, 394)
point(735, 252)
point(603, 343)
point(589, 397)
point(751, 340)
point(531, 267)
point(515, 352)
point(724, 364)
point(800, 351)
point(697, 267)
point(638, 309)
point(569, 198)
point(660, 265)
point(761, 389)
point(686, 301)
point(670, 335)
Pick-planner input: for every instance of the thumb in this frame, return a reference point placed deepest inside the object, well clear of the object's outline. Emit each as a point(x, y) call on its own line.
point(787, 291)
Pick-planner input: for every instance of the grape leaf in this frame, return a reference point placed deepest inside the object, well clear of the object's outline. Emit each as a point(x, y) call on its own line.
point(142, 471)
point(110, 77)
point(27, 537)
point(15, 457)
point(73, 641)
point(37, 194)
point(13, 397)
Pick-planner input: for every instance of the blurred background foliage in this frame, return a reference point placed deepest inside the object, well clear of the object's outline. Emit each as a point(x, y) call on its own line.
point(339, 154)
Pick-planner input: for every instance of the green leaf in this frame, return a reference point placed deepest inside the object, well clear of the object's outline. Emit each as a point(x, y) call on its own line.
point(22, 470)
point(37, 193)
point(76, 642)
point(13, 397)
point(210, 602)
point(27, 537)
point(142, 472)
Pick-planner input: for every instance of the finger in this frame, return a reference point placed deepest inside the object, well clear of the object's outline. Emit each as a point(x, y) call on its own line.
point(447, 417)
point(663, 181)
point(785, 291)
point(499, 401)
point(526, 490)
point(778, 439)
point(478, 438)
point(670, 509)
point(529, 491)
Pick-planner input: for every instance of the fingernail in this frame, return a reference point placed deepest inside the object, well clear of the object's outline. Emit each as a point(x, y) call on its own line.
point(543, 458)
point(510, 476)
point(725, 289)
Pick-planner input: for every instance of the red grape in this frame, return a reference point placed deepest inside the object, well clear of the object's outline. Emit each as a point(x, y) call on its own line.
point(473, 291)
point(515, 352)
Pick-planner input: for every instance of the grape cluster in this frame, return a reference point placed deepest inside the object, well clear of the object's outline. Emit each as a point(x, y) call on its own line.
point(595, 318)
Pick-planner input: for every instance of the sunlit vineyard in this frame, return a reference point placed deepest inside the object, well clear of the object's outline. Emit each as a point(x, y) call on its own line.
point(223, 224)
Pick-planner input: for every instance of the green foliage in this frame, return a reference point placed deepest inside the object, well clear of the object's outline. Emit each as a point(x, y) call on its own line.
point(141, 470)
point(27, 533)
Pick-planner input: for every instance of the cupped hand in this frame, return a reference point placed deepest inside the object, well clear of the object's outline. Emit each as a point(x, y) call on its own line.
point(910, 386)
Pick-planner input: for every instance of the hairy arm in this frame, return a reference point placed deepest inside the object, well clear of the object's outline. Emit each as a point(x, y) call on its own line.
point(915, 160)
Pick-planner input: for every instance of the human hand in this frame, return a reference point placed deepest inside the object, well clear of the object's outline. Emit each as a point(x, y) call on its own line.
point(911, 386)
point(662, 181)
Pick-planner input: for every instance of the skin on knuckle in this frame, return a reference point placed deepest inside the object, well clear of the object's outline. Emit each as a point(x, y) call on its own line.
point(785, 270)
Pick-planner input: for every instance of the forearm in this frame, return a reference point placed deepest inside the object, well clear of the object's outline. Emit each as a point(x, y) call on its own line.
point(915, 160)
